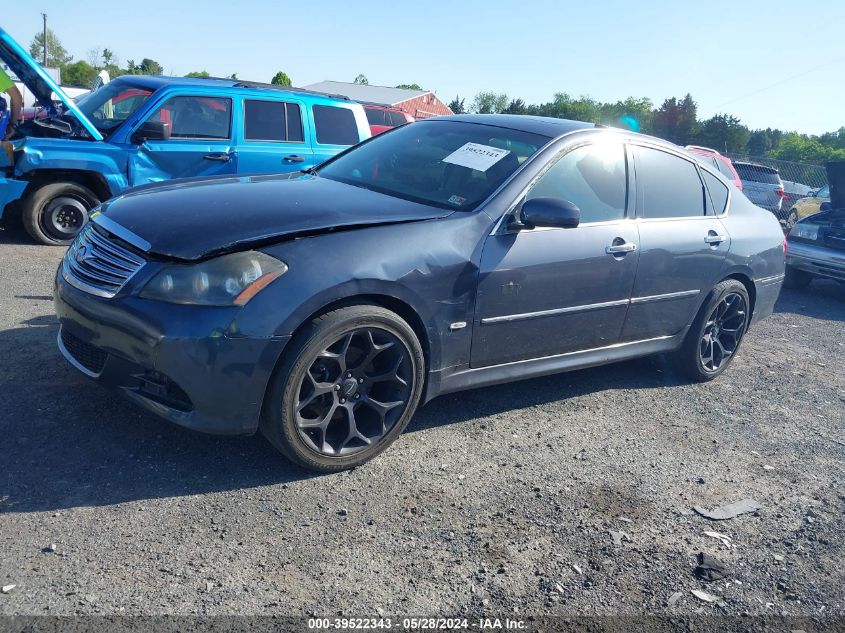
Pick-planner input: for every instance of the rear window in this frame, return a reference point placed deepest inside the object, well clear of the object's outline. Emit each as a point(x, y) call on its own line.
point(757, 173)
point(335, 126)
point(272, 121)
point(726, 170)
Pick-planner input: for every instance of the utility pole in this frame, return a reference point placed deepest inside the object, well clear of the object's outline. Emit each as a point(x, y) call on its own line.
point(44, 16)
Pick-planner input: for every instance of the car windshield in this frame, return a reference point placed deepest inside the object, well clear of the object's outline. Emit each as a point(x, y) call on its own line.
point(824, 192)
point(447, 164)
point(112, 104)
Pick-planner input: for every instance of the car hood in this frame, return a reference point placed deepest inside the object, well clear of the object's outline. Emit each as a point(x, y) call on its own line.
point(36, 79)
point(199, 218)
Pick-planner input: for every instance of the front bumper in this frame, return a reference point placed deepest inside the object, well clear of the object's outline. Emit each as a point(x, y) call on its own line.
point(188, 370)
point(11, 190)
point(818, 260)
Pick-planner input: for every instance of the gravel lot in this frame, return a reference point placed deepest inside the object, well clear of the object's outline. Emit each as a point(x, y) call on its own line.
point(497, 501)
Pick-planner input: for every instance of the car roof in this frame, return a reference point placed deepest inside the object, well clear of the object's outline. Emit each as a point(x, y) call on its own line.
point(550, 126)
point(154, 82)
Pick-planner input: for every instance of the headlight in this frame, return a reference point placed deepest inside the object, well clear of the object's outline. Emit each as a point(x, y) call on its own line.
point(224, 281)
point(805, 231)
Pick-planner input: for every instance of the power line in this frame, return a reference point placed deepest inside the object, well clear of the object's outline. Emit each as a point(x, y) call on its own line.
point(779, 82)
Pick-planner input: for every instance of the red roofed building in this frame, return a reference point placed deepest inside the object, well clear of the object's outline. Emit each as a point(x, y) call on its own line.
point(420, 104)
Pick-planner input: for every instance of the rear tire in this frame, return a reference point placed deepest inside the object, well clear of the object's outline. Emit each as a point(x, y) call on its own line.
point(796, 279)
point(53, 214)
point(345, 388)
point(717, 332)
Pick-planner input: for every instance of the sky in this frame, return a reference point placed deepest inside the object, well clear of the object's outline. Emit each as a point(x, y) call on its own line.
point(771, 63)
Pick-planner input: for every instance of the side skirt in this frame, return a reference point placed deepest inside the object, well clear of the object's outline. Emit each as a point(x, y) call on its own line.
point(460, 378)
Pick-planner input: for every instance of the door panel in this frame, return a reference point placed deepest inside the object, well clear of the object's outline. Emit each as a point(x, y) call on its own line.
point(579, 290)
point(200, 143)
point(681, 249)
point(676, 266)
point(165, 160)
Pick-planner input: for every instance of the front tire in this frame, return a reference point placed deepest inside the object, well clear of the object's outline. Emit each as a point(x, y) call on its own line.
point(53, 214)
point(716, 334)
point(345, 388)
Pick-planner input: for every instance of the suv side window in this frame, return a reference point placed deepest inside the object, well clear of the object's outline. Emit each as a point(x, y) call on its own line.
point(594, 177)
point(375, 117)
point(396, 119)
point(669, 185)
point(196, 117)
point(335, 126)
point(272, 121)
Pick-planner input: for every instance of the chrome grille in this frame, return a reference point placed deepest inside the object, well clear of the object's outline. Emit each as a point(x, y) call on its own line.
point(98, 265)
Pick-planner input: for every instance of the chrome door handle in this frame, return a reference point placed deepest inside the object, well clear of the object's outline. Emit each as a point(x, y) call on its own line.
point(712, 238)
point(616, 249)
point(293, 158)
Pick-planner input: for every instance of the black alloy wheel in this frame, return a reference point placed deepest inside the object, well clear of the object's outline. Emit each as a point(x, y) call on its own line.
point(345, 388)
point(353, 393)
point(723, 331)
point(715, 335)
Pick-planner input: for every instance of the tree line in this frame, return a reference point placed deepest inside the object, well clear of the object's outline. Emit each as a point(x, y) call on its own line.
point(676, 120)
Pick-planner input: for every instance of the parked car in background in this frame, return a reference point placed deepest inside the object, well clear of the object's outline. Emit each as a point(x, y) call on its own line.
point(793, 191)
point(452, 253)
point(139, 129)
point(815, 245)
point(762, 185)
point(712, 158)
point(382, 118)
point(807, 206)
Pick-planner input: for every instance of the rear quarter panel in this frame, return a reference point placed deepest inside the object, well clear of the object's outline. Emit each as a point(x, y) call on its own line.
point(756, 252)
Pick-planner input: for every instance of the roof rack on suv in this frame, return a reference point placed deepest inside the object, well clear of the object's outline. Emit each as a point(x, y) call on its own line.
point(245, 83)
point(257, 84)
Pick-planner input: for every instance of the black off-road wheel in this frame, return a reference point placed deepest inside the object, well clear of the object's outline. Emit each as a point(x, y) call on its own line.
point(796, 279)
point(53, 214)
point(715, 336)
point(345, 388)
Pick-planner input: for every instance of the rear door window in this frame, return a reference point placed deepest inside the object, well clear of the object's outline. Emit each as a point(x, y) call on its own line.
point(757, 173)
point(277, 121)
point(335, 126)
point(669, 185)
point(197, 117)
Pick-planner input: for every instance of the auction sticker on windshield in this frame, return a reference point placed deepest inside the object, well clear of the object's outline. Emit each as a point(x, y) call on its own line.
point(476, 156)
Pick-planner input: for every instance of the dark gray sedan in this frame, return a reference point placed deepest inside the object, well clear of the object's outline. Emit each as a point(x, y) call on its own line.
point(324, 307)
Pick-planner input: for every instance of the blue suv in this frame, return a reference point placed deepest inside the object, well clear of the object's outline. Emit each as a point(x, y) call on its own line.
point(136, 130)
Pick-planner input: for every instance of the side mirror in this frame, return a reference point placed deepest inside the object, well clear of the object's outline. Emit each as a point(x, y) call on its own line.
point(550, 212)
point(151, 131)
point(825, 206)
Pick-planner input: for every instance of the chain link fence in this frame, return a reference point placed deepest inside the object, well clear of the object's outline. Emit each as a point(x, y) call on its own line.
point(798, 181)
